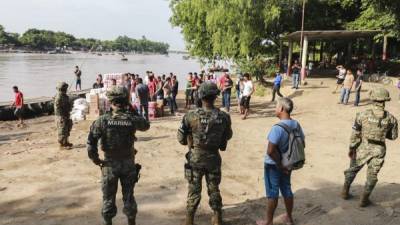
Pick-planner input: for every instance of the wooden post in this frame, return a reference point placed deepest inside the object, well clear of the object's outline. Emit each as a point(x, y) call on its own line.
point(290, 55)
point(314, 50)
point(349, 52)
point(304, 58)
point(384, 52)
point(321, 52)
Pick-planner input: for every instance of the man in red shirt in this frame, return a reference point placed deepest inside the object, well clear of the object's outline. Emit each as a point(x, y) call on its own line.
point(152, 85)
point(18, 104)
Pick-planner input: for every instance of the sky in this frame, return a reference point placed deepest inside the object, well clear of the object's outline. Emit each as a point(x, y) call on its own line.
point(101, 19)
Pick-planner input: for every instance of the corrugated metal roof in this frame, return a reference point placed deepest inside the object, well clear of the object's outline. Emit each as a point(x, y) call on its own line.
point(331, 34)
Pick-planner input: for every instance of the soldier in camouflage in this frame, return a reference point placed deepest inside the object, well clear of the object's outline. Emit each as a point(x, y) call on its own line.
point(116, 130)
point(205, 130)
point(367, 143)
point(62, 110)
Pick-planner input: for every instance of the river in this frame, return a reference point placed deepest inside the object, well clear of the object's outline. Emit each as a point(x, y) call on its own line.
point(37, 75)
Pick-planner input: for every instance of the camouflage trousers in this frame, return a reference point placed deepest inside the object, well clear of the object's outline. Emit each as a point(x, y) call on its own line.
point(213, 179)
point(64, 126)
point(124, 171)
point(374, 166)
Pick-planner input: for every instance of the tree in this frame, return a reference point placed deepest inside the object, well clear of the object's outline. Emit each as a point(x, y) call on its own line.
point(46, 40)
point(8, 38)
point(377, 15)
point(247, 30)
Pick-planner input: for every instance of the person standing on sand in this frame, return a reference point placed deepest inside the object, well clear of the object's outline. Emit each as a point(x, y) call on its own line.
point(116, 130)
point(296, 74)
point(340, 77)
point(62, 111)
point(277, 86)
point(167, 95)
point(143, 95)
point(347, 85)
point(226, 89)
point(367, 143)
point(205, 131)
point(78, 74)
point(248, 90)
point(19, 106)
point(175, 89)
point(188, 91)
point(276, 176)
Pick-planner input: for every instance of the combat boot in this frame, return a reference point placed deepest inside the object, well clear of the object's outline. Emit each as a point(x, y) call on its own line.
point(189, 219)
point(216, 219)
point(69, 144)
point(345, 191)
point(364, 201)
point(107, 221)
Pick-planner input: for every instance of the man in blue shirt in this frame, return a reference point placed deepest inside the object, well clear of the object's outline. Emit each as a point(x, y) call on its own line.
point(276, 176)
point(277, 86)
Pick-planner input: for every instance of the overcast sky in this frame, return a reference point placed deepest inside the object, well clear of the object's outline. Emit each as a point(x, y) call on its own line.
point(102, 19)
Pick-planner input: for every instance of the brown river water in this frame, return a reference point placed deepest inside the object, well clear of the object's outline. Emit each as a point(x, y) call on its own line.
point(38, 74)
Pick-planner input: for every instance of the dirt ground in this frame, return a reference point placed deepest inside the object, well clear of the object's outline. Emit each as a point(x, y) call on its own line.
point(40, 184)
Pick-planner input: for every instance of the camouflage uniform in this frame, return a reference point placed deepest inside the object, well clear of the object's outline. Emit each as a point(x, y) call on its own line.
point(62, 110)
point(206, 131)
point(367, 143)
point(116, 130)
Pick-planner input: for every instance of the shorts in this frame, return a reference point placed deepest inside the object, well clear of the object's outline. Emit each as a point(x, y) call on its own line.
point(245, 102)
point(18, 112)
point(78, 82)
point(339, 81)
point(276, 180)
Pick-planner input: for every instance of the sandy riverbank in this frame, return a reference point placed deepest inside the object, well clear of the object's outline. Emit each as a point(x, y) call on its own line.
point(40, 184)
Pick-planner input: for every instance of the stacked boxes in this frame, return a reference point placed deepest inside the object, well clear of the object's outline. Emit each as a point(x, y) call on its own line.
point(94, 107)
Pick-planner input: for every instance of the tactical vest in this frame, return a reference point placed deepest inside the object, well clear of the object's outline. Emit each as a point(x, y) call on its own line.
point(208, 129)
point(64, 105)
point(118, 137)
point(374, 129)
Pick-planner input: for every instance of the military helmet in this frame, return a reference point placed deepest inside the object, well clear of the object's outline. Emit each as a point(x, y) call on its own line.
point(62, 86)
point(208, 89)
point(118, 95)
point(379, 94)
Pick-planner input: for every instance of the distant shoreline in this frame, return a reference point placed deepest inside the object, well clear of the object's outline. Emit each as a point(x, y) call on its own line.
point(26, 51)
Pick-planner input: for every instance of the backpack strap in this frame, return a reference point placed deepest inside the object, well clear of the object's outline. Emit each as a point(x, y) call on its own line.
point(285, 127)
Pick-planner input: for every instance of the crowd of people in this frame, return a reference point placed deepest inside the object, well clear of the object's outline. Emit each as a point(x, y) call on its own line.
point(244, 89)
point(164, 89)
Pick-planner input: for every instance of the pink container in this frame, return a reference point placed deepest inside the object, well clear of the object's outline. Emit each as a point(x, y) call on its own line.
point(152, 110)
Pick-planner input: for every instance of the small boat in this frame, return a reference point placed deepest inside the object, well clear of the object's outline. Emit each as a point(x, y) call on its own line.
point(99, 54)
point(124, 59)
point(185, 57)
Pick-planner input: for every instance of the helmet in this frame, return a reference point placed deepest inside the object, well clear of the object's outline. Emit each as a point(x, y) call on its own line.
point(379, 94)
point(62, 86)
point(208, 89)
point(118, 95)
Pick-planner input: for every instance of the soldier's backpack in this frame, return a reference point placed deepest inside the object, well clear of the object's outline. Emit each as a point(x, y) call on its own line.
point(294, 158)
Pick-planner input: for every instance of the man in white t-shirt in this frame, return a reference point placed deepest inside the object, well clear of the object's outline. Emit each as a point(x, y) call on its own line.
point(248, 90)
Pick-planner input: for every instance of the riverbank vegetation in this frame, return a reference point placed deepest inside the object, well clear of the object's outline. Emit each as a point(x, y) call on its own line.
point(44, 40)
point(247, 30)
